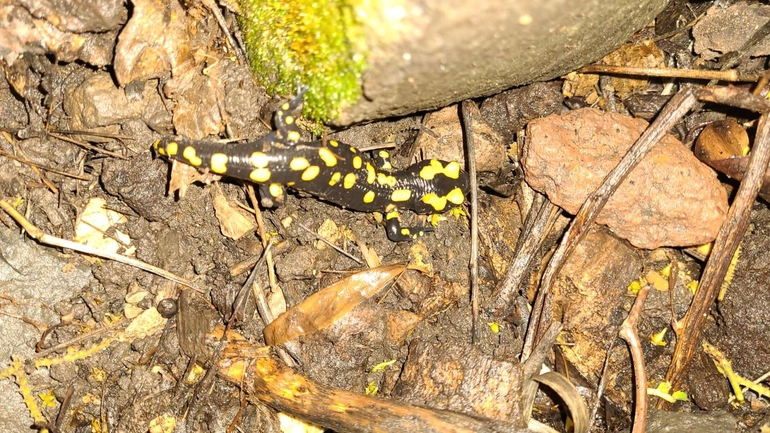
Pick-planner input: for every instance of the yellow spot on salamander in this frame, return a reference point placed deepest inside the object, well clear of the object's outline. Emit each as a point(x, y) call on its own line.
point(276, 190)
point(349, 181)
point(172, 148)
point(288, 120)
point(369, 197)
point(438, 203)
point(456, 196)
point(219, 163)
point(293, 136)
point(429, 171)
point(327, 157)
point(259, 160)
point(299, 163)
point(452, 170)
point(370, 174)
point(384, 179)
point(387, 165)
point(260, 175)
point(357, 162)
point(405, 231)
point(291, 183)
point(335, 178)
point(191, 156)
point(399, 195)
point(384, 154)
point(285, 106)
point(333, 143)
point(391, 215)
point(157, 147)
point(353, 150)
point(311, 173)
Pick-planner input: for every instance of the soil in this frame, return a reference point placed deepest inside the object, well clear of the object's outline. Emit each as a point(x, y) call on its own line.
point(73, 135)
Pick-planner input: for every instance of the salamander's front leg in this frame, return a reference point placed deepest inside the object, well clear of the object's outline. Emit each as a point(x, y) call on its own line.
point(398, 233)
point(285, 119)
point(382, 160)
point(271, 195)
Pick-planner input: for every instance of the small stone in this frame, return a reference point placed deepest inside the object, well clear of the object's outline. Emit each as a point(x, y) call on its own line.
point(669, 199)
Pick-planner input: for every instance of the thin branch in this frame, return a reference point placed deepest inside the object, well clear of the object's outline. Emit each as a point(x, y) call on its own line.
point(677, 107)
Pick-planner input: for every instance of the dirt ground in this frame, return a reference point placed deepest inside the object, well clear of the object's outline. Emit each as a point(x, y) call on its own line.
point(97, 345)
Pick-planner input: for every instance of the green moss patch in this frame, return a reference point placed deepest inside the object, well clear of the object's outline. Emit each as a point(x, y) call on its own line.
point(314, 43)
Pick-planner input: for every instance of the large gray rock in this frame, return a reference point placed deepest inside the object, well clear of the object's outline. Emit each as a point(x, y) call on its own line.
point(427, 54)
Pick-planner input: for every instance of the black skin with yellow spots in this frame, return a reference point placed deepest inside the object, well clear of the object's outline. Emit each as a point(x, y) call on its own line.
point(330, 170)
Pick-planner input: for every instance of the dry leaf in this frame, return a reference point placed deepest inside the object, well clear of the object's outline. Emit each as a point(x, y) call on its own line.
point(154, 42)
point(325, 307)
point(93, 223)
point(233, 221)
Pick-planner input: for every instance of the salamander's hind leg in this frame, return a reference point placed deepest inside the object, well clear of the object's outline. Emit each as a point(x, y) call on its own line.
point(285, 119)
point(382, 160)
point(271, 194)
point(397, 233)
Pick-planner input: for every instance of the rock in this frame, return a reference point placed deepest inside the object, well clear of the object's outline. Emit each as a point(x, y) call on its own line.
point(446, 140)
point(723, 30)
point(659, 421)
point(424, 55)
point(670, 199)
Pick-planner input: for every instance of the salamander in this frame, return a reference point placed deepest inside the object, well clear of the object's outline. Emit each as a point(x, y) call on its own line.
point(330, 170)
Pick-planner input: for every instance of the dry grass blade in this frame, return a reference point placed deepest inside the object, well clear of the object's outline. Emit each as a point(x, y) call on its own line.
point(468, 108)
point(731, 75)
point(38, 234)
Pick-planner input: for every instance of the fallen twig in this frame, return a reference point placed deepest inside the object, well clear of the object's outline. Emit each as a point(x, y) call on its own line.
point(728, 239)
point(43, 238)
point(677, 107)
point(628, 333)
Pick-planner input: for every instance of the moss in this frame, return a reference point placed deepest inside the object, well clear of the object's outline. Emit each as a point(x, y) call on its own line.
point(314, 43)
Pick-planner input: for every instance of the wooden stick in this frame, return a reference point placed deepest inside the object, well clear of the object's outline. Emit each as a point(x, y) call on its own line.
point(542, 311)
point(729, 237)
point(277, 386)
point(629, 334)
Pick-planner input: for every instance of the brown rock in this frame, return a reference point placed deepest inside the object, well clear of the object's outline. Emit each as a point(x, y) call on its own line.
point(446, 140)
point(670, 199)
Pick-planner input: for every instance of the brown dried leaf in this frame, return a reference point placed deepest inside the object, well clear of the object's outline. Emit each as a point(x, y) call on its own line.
point(233, 221)
point(154, 42)
point(183, 175)
point(198, 97)
point(324, 308)
point(721, 139)
point(643, 54)
point(723, 145)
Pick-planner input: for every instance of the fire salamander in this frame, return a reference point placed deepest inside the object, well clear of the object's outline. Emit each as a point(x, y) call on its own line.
point(330, 170)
